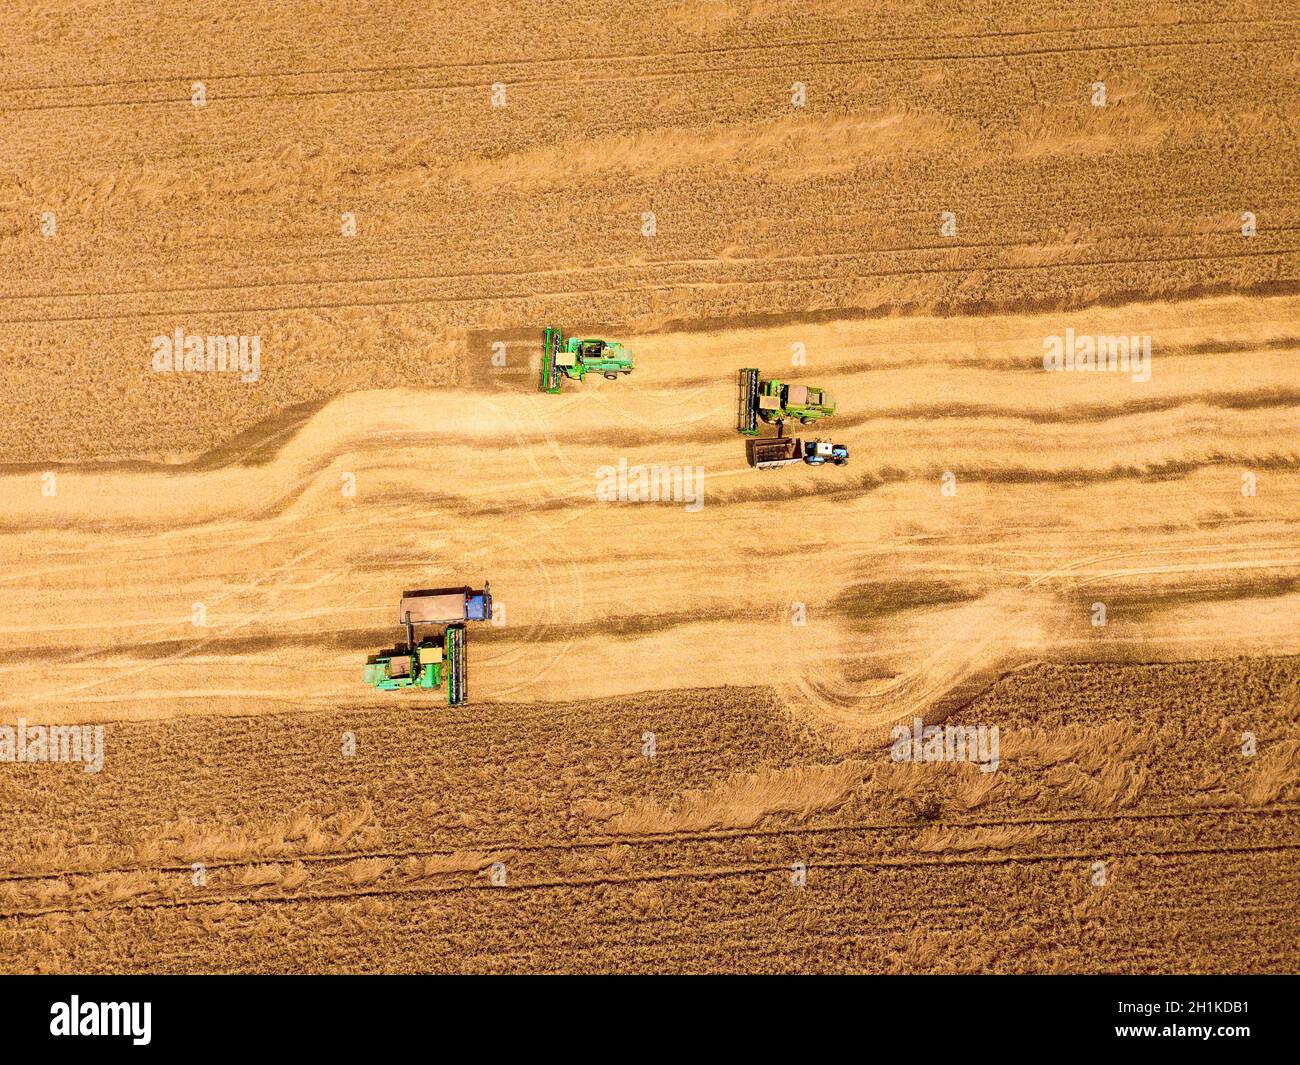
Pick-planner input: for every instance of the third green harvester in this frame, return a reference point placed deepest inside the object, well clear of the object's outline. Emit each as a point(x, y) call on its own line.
point(574, 358)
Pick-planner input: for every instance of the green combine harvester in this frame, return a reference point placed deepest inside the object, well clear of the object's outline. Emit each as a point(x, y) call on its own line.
point(776, 402)
point(436, 661)
point(574, 358)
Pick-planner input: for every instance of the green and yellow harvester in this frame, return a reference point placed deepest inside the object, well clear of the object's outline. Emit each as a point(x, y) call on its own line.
point(776, 402)
point(575, 358)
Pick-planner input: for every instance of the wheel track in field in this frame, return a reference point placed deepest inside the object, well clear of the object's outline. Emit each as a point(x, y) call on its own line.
point(804, 61)
point(619, 934)
point(568, 59)
point(661, 839)
point(652, 286)
point(665, 875)
point(657, 265)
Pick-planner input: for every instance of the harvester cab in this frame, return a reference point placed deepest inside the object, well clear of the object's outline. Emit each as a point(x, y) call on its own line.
point(437, 661)
point(574, 358)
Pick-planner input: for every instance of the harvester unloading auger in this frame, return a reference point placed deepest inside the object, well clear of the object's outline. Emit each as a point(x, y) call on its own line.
point(776, 402)
point(437, 661)
point(574, 358)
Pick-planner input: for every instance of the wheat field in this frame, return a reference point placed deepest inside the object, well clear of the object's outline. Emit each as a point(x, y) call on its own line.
point(677, 755)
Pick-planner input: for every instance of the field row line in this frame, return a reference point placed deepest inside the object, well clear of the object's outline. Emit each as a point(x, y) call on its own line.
point(803, 63)
point(570, 59)
point(652, 265)
point(655, 839)
point(664, 875)
point(394, 301)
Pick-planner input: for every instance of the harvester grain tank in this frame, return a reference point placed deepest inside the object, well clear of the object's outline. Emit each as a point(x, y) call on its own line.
point(574, 358)
point(438, 660)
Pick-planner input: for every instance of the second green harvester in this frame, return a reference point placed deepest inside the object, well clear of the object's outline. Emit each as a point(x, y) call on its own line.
point(776, 402)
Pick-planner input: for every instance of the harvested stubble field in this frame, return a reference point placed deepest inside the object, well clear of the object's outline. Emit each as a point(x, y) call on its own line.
point(613, 861)
point(951, 571)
